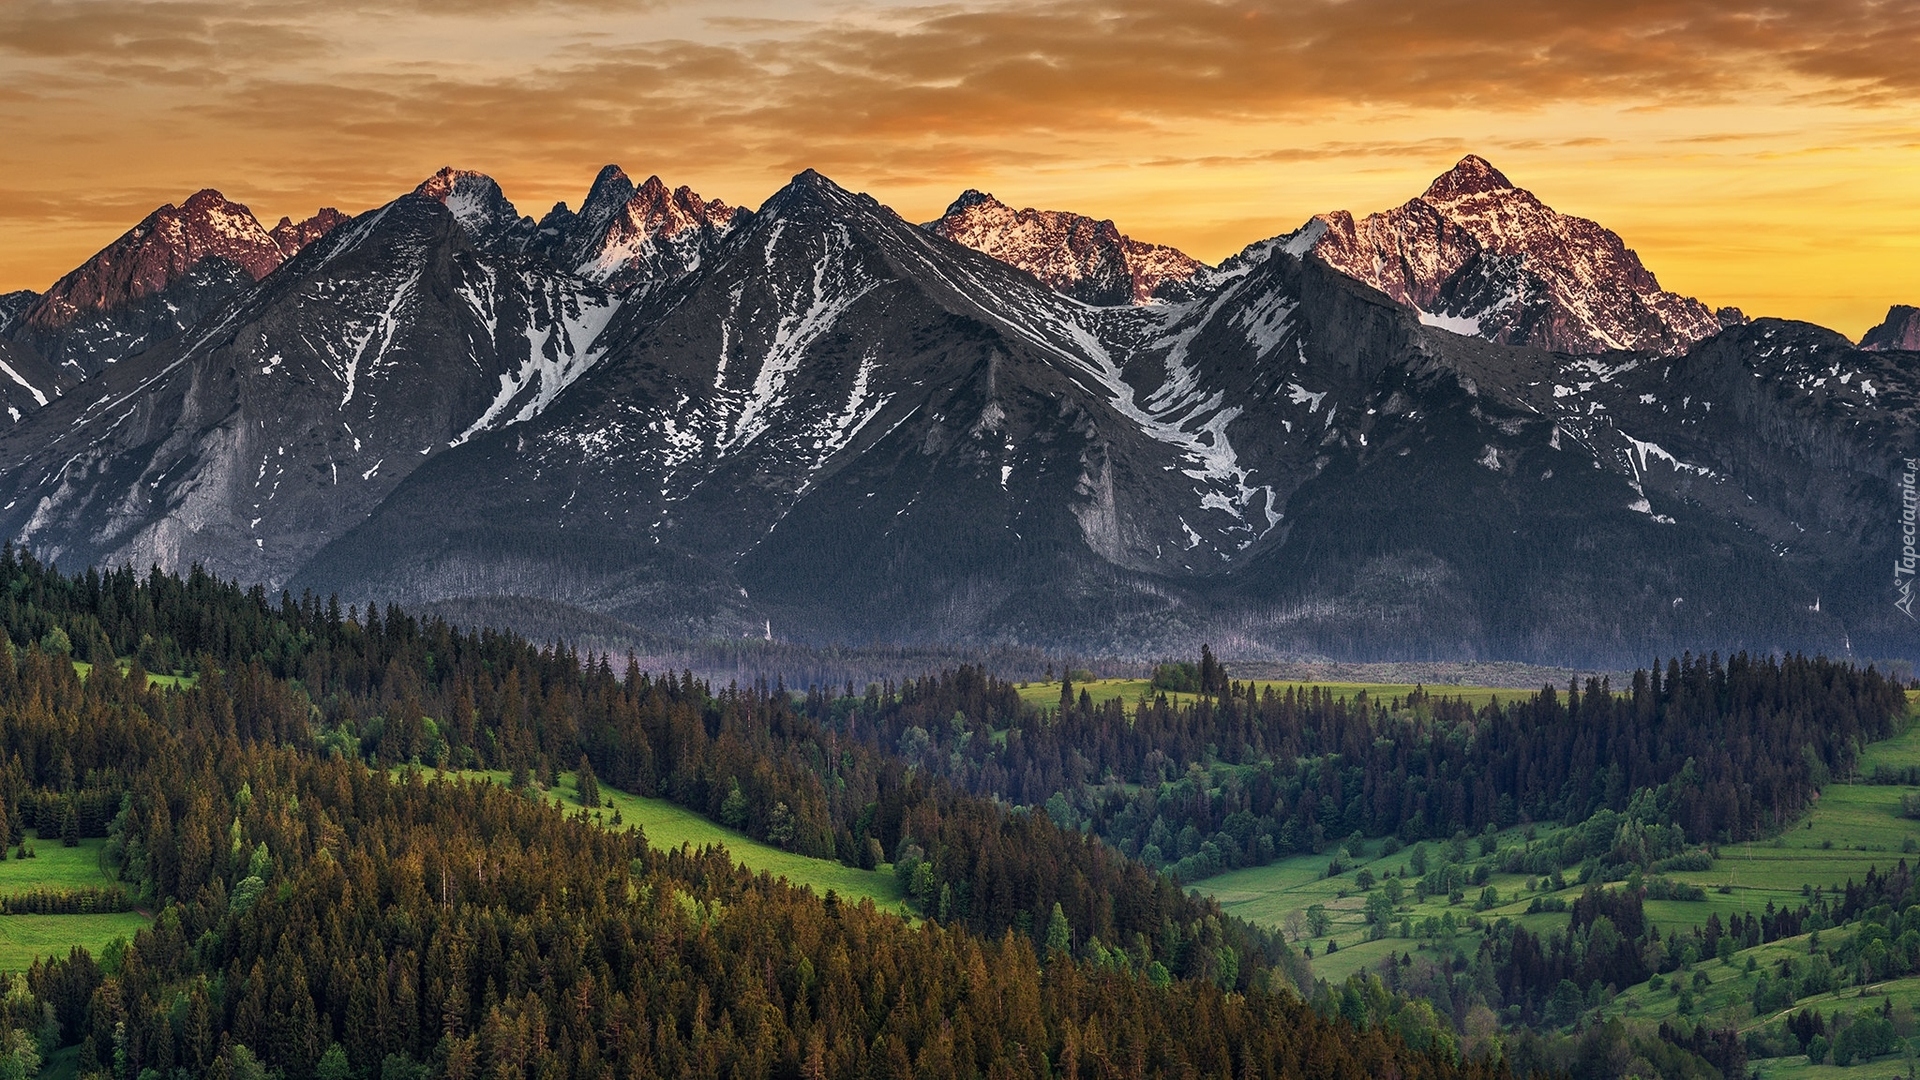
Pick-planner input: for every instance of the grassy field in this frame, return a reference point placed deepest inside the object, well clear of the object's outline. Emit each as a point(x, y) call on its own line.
point(670, 826)
point(1852, 828)
point(1269, 894)
point(1131, 690)
point(55, 867)
point(24, 938)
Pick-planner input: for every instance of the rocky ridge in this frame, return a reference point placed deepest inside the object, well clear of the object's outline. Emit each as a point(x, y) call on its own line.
point(1477, 255)
point(1082, 257)
point(664, 410)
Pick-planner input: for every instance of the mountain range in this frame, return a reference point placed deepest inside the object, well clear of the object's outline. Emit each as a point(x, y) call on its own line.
point(1468, 427)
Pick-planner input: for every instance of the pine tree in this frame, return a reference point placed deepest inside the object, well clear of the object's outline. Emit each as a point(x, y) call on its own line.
point(589, 785)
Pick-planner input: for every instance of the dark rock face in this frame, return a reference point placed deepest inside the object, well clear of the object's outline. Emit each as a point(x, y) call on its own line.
point(1079, 256)
point(1900, 331)
point(698, 421)
point(1479, 256)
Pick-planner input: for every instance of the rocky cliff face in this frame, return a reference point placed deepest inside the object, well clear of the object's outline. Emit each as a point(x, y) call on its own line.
point(1079, 256)
point(1477, 255)
point(1900, 331)
point(293, 235)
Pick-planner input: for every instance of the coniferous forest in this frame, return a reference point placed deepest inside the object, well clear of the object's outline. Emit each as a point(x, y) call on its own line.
point(331, 896)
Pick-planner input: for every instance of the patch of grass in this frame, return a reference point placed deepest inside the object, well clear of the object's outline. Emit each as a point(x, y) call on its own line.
point(668, 826)
point(1796, 1068)
point(24, 938)
point(171, 682)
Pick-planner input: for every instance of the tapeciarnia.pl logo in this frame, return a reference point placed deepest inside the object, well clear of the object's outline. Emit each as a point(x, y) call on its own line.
point(1903, 568)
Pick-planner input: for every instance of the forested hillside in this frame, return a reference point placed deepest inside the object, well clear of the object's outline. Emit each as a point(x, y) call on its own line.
point(323, 918)
point(274, 780)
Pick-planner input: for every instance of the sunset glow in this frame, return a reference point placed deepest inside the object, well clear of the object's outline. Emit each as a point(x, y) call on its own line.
point(1768, 160)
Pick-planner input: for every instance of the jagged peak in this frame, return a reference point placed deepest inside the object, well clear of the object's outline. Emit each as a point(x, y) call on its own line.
point(969, 199)
point(209, 199)
point(1900, 330)
point(476, 202)
point(611, 190)
point(1473, 175)
point(293, 236)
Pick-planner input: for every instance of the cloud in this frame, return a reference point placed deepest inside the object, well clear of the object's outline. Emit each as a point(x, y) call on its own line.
point(288, 104)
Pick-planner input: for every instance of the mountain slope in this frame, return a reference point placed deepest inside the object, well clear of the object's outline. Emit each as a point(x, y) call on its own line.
point(248, 443)
point(1480, 256)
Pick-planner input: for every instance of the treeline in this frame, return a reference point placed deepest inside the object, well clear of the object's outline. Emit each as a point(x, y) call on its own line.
point(1246, 775)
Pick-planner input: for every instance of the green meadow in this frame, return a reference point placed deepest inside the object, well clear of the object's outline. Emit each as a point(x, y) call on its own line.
point(1132, 690)
point(669, 826)
point(26, 938)
point(56, 867)
point(1852, 828)
point(1271, 895)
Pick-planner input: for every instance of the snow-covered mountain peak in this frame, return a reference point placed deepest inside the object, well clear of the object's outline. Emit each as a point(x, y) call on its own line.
point(654, 211)
point(1086, 258)
point(1479, 256)
point(479, 205)
point(1474, 175)
point(653, 235)
point(165, 247)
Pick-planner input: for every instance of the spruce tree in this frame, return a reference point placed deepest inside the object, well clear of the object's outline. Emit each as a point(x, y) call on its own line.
point(588, 784)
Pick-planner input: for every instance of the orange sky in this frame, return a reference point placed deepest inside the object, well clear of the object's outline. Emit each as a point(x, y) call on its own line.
point(1762, 157)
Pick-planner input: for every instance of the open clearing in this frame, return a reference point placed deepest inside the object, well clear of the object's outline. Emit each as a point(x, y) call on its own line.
point(24, 938)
